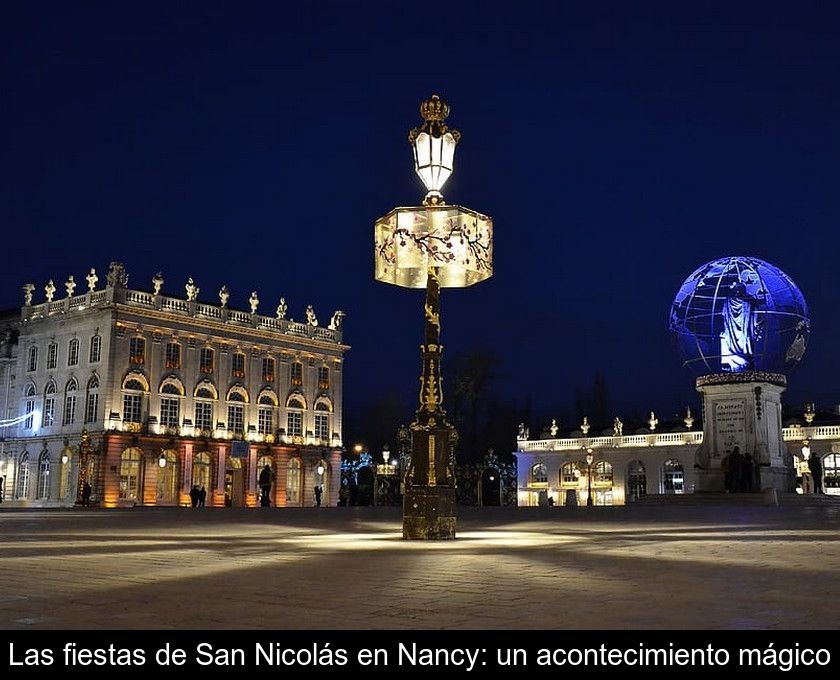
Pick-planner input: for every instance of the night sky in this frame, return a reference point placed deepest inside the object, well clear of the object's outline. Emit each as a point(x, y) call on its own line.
point(255, 144)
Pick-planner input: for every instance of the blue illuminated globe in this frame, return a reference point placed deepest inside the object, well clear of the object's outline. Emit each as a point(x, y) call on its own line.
point(739, 314)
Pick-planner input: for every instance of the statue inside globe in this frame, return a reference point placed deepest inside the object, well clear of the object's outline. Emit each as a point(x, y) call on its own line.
point(740, 329)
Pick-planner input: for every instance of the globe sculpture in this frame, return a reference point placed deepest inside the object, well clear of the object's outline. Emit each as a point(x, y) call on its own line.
point(739, 315)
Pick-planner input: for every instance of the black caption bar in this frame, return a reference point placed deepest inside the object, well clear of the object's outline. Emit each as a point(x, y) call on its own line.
point(470, 652)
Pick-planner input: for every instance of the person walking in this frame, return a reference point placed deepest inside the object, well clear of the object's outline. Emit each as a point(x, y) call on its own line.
point(86, 492)
point(318, 492)
point(202, 496)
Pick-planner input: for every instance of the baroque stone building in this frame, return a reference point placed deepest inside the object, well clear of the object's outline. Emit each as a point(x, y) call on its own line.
point(654, 460)
point(145, 396)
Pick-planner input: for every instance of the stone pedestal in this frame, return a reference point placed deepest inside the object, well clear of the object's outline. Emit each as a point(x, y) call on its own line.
point(744, 410)
point(429, 501)
point(429, 513)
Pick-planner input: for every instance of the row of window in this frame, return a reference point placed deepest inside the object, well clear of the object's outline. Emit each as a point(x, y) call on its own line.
point(170, 414)
point(673, 475)
point(207, 363)
point(94, 354)
point(68, 414)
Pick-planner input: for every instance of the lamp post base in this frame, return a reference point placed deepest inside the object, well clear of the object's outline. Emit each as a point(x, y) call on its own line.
point(429, 513)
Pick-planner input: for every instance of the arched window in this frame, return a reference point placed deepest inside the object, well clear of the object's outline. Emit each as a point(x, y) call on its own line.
point(172, 385)
point(602, 483)
point(29, 407)
point(135, 386)
point(95, 349)
point(539, 474)
point(673, 476)
point(206, 390)
point(602, 473)
point(831, 473)
point(170, 406)
point(130, 465)
point(22, 486)
point(235, 411)
point(570, 473)
point(636, 480)
point(48, 416)
point(92, 400)
point(267, 398)
point(73, 352)
point(44, 475)
point(293, 482)
point(70, 402)
point(238, 393)
point(201, 470)
point(167, 481)
point(52, 356)
point(294, 418)
point(323, 408)
point(32, 362)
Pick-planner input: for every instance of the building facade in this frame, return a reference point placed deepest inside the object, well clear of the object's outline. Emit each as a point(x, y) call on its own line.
point(145, 396)
point(627, 467)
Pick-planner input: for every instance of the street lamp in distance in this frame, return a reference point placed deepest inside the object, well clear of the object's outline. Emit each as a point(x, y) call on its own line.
point(589, 459)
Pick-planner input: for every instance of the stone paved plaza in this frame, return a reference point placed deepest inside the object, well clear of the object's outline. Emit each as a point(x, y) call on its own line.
point(646, 567)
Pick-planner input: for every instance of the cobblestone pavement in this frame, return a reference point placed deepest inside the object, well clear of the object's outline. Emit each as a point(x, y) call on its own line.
point(638, 568)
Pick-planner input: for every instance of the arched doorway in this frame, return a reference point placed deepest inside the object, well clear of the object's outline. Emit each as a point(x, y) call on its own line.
point(265, 479)
point(167, 480)
point(131, 464)
point(673, 476)
point(44, 476)
point(293, 482)
point(234, 484)
point(636, 480)
point(831, 474)
point(602, 483)
point(201, 470)
point(491, 487)
point(22, 486)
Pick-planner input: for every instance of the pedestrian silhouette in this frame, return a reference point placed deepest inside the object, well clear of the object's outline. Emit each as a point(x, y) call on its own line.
point(815, 466)
point(202, 497)
point(318, 492)
point(194, 496)
point(86, 491)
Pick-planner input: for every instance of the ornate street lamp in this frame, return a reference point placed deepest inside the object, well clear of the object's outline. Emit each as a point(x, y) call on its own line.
point(589, 459)
point(432, 246)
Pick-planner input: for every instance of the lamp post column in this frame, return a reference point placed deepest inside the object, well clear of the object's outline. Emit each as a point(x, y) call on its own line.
point(432, 246)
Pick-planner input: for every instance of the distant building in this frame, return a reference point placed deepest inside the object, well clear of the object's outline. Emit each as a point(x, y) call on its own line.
point(144, 396)
point(628, 466)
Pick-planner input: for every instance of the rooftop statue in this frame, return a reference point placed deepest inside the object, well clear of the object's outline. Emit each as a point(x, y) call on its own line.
point(224, 296)
point(282, 308)
point(192, 290)
point(70, 285)
point(254, 301)
point(311, 319)
point(157, 282)
point(92, 278)
point(49, 290)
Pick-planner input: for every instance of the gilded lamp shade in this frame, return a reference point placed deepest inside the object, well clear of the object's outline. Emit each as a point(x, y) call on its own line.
point(457, 241)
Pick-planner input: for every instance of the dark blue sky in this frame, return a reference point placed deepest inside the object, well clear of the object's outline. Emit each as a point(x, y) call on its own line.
point(616, 149)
